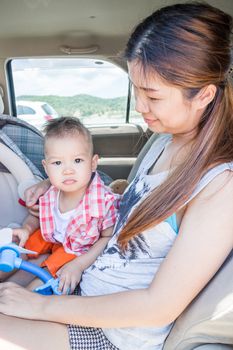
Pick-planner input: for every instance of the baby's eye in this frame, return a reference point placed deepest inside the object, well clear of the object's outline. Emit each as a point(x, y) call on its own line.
point(58, 162)
point(78, 160)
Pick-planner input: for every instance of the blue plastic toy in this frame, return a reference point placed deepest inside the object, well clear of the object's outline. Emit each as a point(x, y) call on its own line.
point(10, 259)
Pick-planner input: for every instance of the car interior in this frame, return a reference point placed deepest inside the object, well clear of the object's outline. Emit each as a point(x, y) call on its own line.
point(68, 55)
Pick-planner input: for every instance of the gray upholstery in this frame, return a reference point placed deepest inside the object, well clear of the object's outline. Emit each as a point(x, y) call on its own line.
point(10, 210)
point(209, 318)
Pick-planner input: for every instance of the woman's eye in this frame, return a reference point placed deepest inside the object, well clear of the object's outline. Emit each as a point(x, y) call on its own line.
point(153, 98)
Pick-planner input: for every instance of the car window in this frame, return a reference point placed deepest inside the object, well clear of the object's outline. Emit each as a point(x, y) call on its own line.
point(19, 109)
point(96, 91)
point(25, 110)
point(48, 109)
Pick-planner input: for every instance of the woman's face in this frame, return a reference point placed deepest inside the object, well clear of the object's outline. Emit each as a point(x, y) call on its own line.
point(162, 105)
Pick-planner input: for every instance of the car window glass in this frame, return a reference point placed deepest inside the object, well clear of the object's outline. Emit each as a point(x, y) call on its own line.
point(28, 110)
point(48, 109)
point(19, 109)
point(93, 90)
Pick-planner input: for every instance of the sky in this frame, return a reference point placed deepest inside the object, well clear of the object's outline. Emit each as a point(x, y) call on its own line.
point(68, 77)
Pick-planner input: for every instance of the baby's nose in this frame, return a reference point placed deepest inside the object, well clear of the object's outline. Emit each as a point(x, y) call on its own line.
point(68, 169)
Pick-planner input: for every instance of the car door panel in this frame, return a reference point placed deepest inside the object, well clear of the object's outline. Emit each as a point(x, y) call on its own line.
point(118, 147)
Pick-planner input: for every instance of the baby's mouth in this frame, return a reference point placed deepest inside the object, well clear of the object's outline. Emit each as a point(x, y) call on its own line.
point(69, 181)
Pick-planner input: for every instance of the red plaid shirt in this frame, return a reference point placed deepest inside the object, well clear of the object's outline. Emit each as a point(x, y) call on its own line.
point(95, 212)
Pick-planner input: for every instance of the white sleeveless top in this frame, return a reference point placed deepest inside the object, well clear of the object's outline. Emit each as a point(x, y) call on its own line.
point(115, 271)
point(61, 221)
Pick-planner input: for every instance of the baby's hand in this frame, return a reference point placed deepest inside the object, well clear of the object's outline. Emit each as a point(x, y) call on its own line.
point(20, 236)
point(69, 275)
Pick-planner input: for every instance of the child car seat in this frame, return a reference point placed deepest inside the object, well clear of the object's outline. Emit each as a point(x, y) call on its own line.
point(17, 138)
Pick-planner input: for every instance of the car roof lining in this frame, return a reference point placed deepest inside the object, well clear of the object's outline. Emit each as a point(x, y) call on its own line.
point(74, 23)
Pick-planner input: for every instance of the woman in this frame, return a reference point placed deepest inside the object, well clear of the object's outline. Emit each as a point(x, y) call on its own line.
point(171, 220)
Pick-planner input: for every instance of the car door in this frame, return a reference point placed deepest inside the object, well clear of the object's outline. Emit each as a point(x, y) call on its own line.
point(118, 147)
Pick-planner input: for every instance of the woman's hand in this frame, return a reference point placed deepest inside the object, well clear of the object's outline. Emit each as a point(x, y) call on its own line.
point(70, 275)
point(32, 195)
point(18, 301)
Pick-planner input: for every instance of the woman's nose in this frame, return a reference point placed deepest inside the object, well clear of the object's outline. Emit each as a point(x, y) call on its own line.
point(141, 105)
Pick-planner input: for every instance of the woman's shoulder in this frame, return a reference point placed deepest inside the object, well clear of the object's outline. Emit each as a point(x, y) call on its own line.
point(214, 190)
point(213, 180)
point(221, 183)
point(215, 197)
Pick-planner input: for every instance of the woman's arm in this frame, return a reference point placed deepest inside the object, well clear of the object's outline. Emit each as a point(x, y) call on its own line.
point(204, 241)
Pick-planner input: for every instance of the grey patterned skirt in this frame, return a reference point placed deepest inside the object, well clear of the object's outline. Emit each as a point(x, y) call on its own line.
point(88, 338)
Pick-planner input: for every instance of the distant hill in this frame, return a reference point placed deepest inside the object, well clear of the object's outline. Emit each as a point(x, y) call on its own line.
point(82, 105)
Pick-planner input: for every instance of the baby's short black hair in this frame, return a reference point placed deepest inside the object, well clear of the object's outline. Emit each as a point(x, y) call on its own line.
point(65, 126)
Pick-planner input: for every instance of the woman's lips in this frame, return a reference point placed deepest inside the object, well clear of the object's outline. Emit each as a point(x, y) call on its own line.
point(149, 121)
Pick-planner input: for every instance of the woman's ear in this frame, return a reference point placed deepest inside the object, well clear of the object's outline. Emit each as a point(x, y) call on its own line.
point(94, 162)
point(205, 96)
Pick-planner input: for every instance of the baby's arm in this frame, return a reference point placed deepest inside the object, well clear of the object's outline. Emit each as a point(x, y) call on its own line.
point(20, 235)
point(70, 273)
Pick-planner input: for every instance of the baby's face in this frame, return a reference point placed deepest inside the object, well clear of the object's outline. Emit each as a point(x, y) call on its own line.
point(69, 162)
